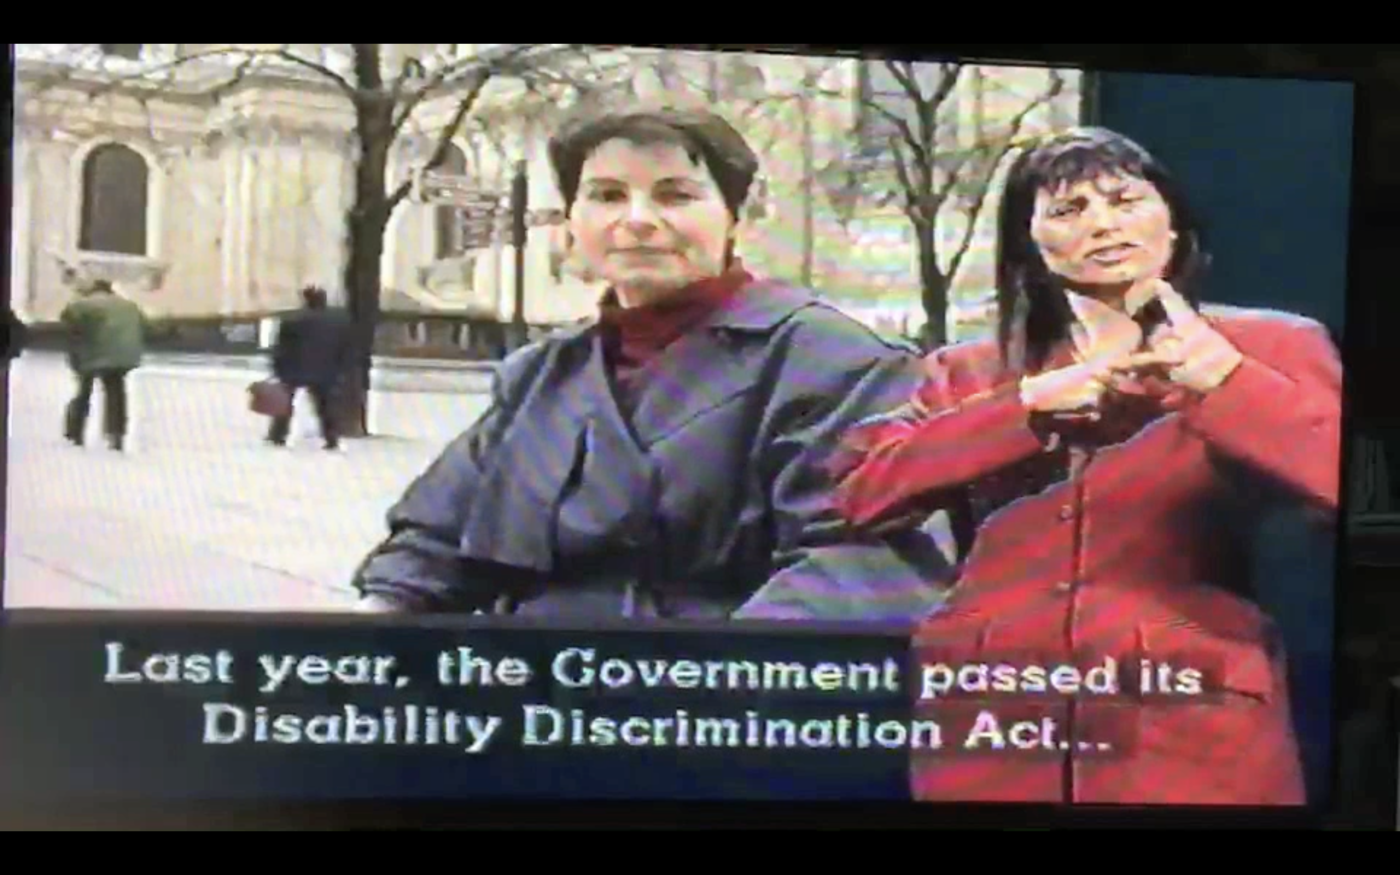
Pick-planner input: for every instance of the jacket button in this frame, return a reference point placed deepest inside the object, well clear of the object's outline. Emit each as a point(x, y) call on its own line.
point(1064, 586)
point(1066, 512)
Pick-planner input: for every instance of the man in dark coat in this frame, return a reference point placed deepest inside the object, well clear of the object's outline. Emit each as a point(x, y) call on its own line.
point(310, 353)
point(106, 342)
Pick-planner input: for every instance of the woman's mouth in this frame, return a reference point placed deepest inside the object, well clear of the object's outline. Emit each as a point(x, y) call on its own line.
point(1112, 254)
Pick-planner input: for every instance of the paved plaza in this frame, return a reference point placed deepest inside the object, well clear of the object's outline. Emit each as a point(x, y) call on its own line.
point(199, 514)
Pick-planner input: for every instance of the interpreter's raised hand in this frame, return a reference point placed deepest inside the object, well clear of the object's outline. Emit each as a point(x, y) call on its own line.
point(1197, 357)
point(1080, 388)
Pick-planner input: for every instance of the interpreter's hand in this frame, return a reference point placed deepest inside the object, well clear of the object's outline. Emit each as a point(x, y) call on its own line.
point(1195, 355)
point(1079, 388)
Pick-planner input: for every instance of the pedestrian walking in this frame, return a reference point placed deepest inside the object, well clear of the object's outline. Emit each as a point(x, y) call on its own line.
point(310, 352)
point(106, 342)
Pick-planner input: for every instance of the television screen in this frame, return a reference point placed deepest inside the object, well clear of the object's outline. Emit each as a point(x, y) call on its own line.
point(559, 421)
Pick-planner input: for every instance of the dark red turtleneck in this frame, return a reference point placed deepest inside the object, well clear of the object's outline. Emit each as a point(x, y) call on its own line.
point(633, 336)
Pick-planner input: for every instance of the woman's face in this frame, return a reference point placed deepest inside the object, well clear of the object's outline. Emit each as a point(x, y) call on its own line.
point(648, 219)
point(1110, 231)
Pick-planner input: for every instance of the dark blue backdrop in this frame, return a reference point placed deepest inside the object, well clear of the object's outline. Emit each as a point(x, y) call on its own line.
point(1267, 163)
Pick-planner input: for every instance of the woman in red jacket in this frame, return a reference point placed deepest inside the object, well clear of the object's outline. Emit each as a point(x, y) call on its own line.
point(1107, 454)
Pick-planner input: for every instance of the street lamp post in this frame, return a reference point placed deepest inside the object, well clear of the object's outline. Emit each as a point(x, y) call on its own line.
point(519, 216)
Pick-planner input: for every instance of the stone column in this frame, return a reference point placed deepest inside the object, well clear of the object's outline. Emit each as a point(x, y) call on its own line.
point(303, 215)
point(247, 178)
point(259, 215)
point(229, 238)
point(201, 184)
point(25, 242)
point(55, 218)
point(328, 183)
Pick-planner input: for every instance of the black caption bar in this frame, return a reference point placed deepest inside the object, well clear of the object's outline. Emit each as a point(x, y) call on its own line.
point(206, 706)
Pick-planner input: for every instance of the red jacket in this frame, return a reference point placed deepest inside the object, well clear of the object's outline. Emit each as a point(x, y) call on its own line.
point(1123, 540)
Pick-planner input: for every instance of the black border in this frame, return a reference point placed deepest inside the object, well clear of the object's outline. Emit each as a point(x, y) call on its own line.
point(1392, 737)
point(1370, 201)
point(389, 815)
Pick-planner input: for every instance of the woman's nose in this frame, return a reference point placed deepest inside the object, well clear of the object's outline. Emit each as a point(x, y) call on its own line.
point(641, 212)
point(1101, 218)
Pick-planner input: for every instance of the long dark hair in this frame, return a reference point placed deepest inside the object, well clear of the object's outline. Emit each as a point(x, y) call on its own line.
point(1033, 313)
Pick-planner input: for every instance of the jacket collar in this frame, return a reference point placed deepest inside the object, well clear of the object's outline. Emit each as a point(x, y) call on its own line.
point(759, 307)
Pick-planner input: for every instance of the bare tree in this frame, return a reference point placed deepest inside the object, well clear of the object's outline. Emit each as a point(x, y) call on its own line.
point(907, 147)
point(384, 103)
point(925, 172)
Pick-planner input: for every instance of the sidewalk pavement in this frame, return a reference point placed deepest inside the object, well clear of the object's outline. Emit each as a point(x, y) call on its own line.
point(387, 375)
point(200, 514)
point(258, 362)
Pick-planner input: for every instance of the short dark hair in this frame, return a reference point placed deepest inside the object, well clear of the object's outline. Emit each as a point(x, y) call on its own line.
point(705, 135)
point(1033, 312)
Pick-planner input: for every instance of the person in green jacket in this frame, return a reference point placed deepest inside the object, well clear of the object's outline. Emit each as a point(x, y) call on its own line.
point(106, 342)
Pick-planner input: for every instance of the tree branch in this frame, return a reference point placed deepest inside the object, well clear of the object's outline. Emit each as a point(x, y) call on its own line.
point(903, 73)
point(1010, 139)
point(415, 98)
point(240, 73)
point(995, 156)
point(926, 107)
point(906, 133)
point(952, 73)
point(409, 70)
point(451, 75)
point(913, 205)
point(449, 132)
point(144, 77)
point(110, 83)
point(974, 213)
point(321, 69)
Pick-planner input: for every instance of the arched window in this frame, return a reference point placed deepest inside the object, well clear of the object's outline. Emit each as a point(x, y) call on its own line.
point(129, 51)
point(448, 237)
point(115, 192)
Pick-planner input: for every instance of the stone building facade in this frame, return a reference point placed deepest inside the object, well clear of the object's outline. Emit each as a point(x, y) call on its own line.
point(203, 189)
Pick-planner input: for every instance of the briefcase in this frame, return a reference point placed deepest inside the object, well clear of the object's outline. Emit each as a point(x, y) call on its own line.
point(269, 398)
